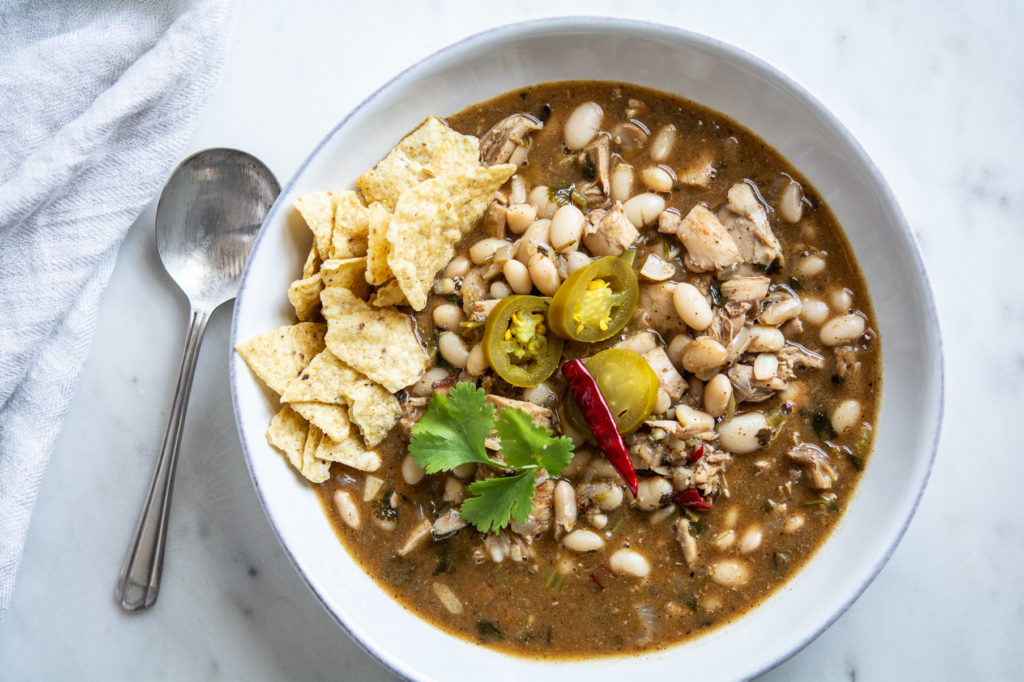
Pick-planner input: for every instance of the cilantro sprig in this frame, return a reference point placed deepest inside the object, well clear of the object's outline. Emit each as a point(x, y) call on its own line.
point(453, 432)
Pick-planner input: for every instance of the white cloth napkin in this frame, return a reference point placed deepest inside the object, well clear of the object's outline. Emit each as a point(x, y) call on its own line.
point(97, 102)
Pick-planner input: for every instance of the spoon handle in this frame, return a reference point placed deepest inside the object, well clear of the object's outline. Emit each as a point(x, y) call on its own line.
point(140, 575)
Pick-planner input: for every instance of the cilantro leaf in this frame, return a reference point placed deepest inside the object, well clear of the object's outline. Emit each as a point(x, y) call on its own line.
point(524, 444)
point(498, 499)
point(453, 429)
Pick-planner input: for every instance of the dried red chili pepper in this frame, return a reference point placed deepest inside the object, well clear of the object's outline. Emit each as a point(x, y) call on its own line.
point(696, 454)
point(691, 499)
point(600, 419)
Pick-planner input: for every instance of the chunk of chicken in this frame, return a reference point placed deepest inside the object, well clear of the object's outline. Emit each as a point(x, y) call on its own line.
point(746, 289)
point(506, 141)
point(747, 222)
point(539, 519)
point(610, 232)
point(709, 246)
point(749, 389)
point(494, 219)
point(700, 171)
point(669, 380)
point(657, 310)
point(793, 356)
point(481, 309)
point(686, 541)
point(595, 157)
point(817, 463)
point(541, 416)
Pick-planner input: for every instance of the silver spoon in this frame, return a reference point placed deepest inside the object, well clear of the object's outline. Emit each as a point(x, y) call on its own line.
point(206, 222)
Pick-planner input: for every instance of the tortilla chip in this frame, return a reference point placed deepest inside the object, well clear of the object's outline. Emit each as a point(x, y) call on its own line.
point(431, 218)
point(305, 296)
point(317, 209)
point(349, 452)
point(351, 225)
point(377, 271)
point(329, 380)
point(347, 273)
point(431, 150)
point(388, 295)
point(313, 468)
point(279, 356)
point(287, 432)
point(331, 419)
point(312, 264)
point(379, 342)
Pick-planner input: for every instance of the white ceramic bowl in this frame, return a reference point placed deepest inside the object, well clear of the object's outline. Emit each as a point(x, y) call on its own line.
point(787, 117)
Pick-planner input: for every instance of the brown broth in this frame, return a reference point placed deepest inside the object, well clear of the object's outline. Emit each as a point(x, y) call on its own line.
point(532, 609)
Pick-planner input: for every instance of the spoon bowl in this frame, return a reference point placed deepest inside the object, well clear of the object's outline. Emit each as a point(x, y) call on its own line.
point(206, 222)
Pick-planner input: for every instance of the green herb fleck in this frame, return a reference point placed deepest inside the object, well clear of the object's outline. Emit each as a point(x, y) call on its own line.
point(446, 559)
point(716, 293)
point(383, 510)
point(488, 631)
point(795, 283)
point(563, 196)
point(822, 426)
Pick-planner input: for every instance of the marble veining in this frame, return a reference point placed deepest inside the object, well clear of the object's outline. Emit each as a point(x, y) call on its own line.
point(935, 93)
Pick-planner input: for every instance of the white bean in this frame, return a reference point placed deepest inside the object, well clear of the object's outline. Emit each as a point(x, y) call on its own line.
point(519, 216)
point(346, 507)
point(766, 366)
point(791, 206)
point(541, 395)
point(517, 191)
point(629, 562)
point(447, 316)
point(676, 347)
point(793, 524)
point(622, 182)
point(724, 540)
point(765, 339)
point(840, 300)
point(465, 470)
point(574, 260)
point(483, 251)
point(732, 515)
point(643, 209)
point(499, 289)
point(739, 434)
point(703, 354)
point(846, 415)
point(476, 362)
point(541, 198)
point(661, 145)
point(842, 329)
point(453, 349)
point(425, 386)
point(694, 421)
point(650, 492)
point(457, 267)
point(518, 277)
point(730, 572)
point(604, 494)
point(657, 179)
point(537, 235)
point(581, 540)
point(544, 274)
point(809, 266)
point(751, 540)
point(564, 502)
point(566, 228)
point(412, 472)
point(815, 311)
point(782, 311)
point(582, 124)
point(692, 307)
point(717, 393)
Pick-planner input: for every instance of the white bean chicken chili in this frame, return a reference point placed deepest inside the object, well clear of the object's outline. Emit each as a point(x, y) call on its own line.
point(716, 307)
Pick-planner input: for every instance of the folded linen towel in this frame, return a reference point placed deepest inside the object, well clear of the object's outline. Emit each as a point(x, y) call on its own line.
point(98, 101)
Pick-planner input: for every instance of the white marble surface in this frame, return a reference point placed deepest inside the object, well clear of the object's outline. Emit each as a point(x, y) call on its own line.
point(934, 92)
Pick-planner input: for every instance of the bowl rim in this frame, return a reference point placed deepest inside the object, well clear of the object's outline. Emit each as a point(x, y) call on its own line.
point(540, 26)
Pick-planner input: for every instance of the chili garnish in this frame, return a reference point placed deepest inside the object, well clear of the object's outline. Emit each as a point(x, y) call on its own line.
point(696, 454)
point(691, 499)
point(600, 419)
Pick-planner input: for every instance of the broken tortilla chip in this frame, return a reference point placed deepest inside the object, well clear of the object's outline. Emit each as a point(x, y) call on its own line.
point(312, 265)
point(379, 342)
point(351, 224)
point(331, 419)
point(317, 209)
point(431, 150)
point(377, 271)
point(288, 433)
point(347, 273)
point(305, 296)
point(313, 468)
point(431, 218)
point(350, 452)
point(388, 295)
point(279, 356)
point(329, 380)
